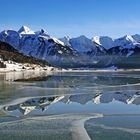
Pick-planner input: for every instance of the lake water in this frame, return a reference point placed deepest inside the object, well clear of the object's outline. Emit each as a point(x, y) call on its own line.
point(35, 105)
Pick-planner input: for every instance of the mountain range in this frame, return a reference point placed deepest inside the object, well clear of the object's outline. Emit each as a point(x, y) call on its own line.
point(67, 52)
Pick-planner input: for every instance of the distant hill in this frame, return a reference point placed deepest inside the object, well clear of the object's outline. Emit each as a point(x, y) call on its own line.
point(7, 52)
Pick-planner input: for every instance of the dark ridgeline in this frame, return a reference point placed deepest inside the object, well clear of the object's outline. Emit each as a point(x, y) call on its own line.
point(7, 52)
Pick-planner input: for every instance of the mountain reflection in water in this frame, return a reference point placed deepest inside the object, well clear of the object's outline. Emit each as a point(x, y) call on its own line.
point(42, 103)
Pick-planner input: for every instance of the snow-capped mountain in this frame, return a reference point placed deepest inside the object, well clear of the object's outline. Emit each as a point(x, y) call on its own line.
point(39, 45)
point(25, 30)
point(11, 37)
point(82, 44)
point(100, 51)
point(104, 41)
point(127, 42)
point(66, 40)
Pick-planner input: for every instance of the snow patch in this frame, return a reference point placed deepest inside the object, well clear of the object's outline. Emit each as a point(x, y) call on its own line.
point(104, 41)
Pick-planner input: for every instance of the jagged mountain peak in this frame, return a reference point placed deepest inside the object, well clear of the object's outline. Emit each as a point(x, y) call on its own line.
point(105, 41)
point(42, 32)
point(136, 37)
point(66, 40)
point(25, 30)
point(82, 44)
point(130, 38)
point(126, 41)
point(82, 38)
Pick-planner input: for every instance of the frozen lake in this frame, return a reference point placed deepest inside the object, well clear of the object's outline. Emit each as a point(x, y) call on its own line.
point(36, 105)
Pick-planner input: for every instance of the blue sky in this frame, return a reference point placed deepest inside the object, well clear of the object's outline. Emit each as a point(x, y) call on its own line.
point(73, 17)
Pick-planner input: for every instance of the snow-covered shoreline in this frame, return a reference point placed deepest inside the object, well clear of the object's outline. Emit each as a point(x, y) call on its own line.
point(103, 70)
point(53, 69)
point(19, 67)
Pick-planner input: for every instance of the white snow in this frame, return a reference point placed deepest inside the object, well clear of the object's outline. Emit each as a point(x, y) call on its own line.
point(57, 41)
point(125, 42)
point(66, 40)
point(13, 66)
point(60, 52)
point(96, 39)
point(130, 38)
point(104, 41)
point(25, 30)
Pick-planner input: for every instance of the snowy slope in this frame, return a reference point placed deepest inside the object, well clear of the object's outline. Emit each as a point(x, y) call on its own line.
point(82, 44)
point(66, 40)
point(25, 30)
point(104, 41)
point(125, 42)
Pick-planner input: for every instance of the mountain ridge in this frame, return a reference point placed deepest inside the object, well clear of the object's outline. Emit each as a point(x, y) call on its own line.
point(99, 51)
point(10, 56)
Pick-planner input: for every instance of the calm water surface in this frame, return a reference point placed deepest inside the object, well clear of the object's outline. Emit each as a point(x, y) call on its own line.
point(115, 95)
